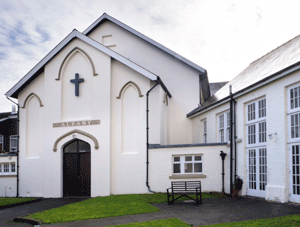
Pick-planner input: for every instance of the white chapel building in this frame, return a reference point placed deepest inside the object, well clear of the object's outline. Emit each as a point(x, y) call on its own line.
point(110, 111)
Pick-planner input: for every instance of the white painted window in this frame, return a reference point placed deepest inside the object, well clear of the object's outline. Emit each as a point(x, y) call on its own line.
point(224, 127)
point(7, 168)
point(256, 129)
point(256, 126)
point(1, 142)
point(294, 113)
point(13, 143)
point(204, 130)
point(187, 164)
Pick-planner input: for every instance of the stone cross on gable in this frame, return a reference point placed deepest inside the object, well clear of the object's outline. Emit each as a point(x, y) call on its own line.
point(76, 81)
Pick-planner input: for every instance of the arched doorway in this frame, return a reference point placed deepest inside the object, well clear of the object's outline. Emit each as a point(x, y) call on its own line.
point(77, 169)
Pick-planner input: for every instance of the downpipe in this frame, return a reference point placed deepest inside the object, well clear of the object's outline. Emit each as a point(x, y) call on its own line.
point(18, 122)
point(147, 132)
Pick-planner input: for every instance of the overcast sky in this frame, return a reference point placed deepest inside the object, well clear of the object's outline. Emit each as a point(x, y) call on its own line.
point(222, 36)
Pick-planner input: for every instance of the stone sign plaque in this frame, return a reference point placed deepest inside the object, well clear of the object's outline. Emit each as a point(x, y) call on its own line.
point(76, 123)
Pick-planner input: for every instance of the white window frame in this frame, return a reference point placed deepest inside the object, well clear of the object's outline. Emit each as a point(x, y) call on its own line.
point(292, 112)
point(10, 168)
point(204, 131)
point(225, 129)
point(2, 142)
point(256, 124)
point(13, 148)
point(182, 161)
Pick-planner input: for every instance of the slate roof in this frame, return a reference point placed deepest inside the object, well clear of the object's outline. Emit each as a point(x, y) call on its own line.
point(277, 60)
point(214, 87)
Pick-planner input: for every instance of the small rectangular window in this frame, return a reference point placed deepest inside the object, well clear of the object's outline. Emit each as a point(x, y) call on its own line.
point(13, 143)
point(187, 164)
point(251, 112)
point(1, 142)
point(0, 168)
point(262, 108)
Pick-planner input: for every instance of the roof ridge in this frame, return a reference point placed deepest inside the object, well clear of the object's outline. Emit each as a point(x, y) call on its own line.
point(274, 49)
point(105, 16)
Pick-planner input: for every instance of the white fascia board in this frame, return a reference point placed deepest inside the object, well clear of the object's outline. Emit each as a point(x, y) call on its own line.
point(38, 66)
point(62, 44)
point(227, 99)
point(117, 56)
point(147, 39)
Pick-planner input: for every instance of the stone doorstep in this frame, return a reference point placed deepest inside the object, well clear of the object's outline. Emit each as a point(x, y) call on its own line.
point(28, 221)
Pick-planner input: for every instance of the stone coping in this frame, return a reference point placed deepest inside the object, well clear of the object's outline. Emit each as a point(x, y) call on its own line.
point(158, 146)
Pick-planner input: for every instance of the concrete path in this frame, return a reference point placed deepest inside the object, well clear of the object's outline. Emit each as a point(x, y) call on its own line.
point(212, 211)
point(8, 214)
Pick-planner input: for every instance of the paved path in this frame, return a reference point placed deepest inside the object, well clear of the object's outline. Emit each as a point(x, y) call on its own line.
point(7, 215)
point(212, 211)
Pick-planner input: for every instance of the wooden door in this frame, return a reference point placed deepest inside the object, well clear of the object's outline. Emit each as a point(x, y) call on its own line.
point(77, 169)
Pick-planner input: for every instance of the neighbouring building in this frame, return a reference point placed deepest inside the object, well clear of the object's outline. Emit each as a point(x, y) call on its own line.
point(8, 153)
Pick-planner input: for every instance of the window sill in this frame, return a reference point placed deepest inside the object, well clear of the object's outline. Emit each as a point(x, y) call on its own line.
point(8, 175)
point(187, 176)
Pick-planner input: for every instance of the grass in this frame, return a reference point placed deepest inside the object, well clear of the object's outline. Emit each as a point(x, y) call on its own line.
point(9, 201)
point(291, 220)
point(172, 222)
point(102, 207)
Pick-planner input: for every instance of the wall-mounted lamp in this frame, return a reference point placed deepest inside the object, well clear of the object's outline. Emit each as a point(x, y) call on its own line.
point(273, 136)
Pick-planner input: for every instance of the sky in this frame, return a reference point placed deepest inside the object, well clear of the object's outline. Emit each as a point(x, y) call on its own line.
point(222, 36)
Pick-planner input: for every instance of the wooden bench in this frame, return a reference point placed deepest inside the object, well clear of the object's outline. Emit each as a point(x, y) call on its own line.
point(184, 188)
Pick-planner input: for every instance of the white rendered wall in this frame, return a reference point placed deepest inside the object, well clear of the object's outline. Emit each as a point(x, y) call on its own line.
point(278, 187)
point(8, 183)
point(161, 167)
point(181, 80)
point(128, 171)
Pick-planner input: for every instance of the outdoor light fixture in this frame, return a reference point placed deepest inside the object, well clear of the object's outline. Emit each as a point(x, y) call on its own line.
point(273, 136)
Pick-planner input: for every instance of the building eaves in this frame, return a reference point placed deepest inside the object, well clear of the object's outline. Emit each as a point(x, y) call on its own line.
point(272, 65)
point(106, 17)
point(37, 69)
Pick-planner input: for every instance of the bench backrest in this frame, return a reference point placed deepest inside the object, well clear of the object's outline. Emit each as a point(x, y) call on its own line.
point(185, 185)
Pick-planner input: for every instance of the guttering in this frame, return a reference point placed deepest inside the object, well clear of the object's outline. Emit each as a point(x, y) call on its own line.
point(147, 138)
point(269, 79)
point(18, 122)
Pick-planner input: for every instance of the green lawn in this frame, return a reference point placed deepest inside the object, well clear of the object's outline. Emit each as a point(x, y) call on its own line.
point(291, 220)
point(172, 222)
point(8, 201)
point(102, 207)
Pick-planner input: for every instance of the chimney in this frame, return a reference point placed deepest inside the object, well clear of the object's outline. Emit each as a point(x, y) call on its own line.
point(13, 109)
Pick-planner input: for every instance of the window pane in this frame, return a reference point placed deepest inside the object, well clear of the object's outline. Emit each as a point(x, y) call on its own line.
point(188, 167)
point(188, 158)
point(198, 167)
point(83, 146)
point(0, 168)
point(71, 147)
point(176, 168)
point(13, 167)
point(198, 158)
point(176, 159)
point(6, 168)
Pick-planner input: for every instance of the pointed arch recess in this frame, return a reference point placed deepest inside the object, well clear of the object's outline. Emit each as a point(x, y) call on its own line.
point(29, 96)
point(73, 51)
point(128, 84)
point(79, 132)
